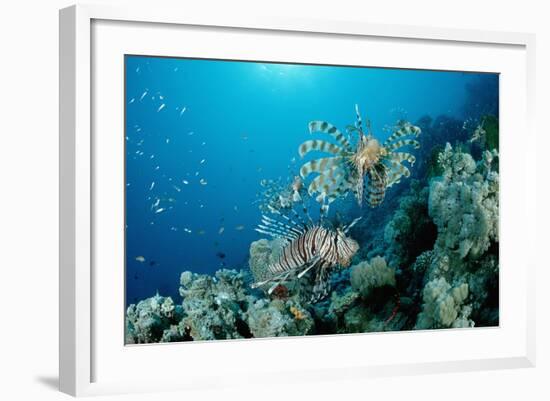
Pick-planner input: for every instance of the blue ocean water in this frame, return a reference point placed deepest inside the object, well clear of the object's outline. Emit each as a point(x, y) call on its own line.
point(201, 135)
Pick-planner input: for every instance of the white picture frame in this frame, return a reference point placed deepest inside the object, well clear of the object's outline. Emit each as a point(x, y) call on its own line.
point(81, 160)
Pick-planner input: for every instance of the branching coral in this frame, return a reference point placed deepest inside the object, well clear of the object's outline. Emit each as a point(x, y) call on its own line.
point(368, 275)
point(464, 203)
point(277, 318)
point(147, 321)
point(264, 253)
point(213, 306)
point(443, 306)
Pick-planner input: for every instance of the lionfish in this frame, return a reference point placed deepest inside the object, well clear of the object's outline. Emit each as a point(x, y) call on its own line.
point(348, 167)
point(307, 247)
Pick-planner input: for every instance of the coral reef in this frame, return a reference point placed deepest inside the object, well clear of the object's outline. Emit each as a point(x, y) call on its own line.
point(443, 306)
point(264, 253)
point(410, 230)
point(464, 203)
point(214, 306)
point(461, 272)
point(368, 275)
point(277, 318)
point(431, 263)
point(152, 320)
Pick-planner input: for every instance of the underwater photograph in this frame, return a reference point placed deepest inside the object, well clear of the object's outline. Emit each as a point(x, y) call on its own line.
point(267, 199)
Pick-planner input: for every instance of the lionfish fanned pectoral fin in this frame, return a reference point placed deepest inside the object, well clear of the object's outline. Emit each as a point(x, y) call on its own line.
point(402, 156)
point(309, 266)
point(404, 142)
point(322, 284)
point(327, 181)
point(328, 128)
point(319, 146)
point(397, 170)
point(275, 280)
point(320, 165)
point(405, 129)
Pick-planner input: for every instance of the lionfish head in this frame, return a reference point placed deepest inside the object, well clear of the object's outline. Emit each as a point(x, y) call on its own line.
point(368, 154)
point(347, 248)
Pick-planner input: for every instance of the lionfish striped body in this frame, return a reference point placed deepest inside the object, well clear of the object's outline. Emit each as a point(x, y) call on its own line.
point(347, 167)
point(312, 247)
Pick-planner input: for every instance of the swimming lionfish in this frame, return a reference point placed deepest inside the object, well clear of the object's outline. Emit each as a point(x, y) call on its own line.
point(307, 247)
point(348, 166)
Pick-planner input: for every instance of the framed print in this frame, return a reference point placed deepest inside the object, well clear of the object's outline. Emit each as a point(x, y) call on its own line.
point(350, 188)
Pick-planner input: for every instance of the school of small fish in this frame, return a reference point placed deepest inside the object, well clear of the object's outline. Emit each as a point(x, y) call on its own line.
point(161, 203)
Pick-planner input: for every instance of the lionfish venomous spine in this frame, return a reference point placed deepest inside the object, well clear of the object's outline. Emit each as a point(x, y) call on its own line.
point(307, 247)
point(348, 167)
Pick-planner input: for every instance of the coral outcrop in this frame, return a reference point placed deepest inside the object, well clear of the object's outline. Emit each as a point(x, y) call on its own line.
point(366, 276)
point(151, 318)
point(214, 306)
point(262, 254)
point(278, 318)
point(443, 306)
point(461, 272)
point(464, 203)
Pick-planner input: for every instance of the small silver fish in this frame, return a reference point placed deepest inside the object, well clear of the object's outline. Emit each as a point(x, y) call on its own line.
point(162, 106)
point(140, 259)
point(221, 230)
point(159, 210)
